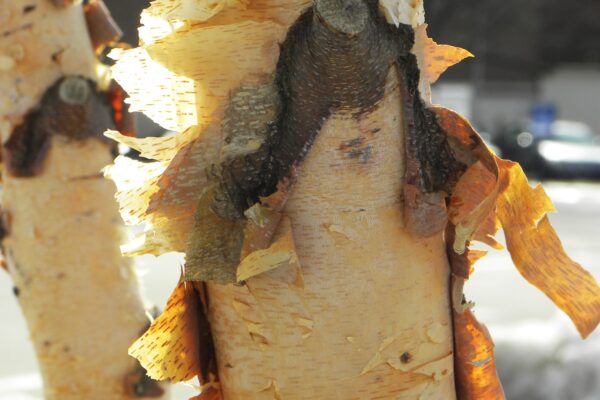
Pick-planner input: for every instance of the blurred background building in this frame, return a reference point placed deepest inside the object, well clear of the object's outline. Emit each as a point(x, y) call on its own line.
point(534, 87)
point(526, 52)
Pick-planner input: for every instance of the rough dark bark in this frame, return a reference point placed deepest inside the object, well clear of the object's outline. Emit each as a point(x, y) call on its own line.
point(335, 58)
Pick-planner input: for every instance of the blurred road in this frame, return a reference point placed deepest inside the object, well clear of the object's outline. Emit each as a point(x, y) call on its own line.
point(512, 309)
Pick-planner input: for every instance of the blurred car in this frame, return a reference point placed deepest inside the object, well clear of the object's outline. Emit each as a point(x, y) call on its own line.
point(565, 149)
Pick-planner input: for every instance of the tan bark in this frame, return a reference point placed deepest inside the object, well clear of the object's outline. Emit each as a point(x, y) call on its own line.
point(79, 296)
point(370, 317)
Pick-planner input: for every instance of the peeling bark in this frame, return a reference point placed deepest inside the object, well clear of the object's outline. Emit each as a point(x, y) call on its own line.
point(332, 77)
point(334, 206)
point(371, 309)
point(335, 58)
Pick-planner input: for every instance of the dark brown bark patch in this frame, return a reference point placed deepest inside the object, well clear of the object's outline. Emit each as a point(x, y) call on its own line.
point(101, 26)
point(406, 358)
point(29, 8)
point(431, 164)
point(71, 108)
point(5, 225)
point(322, 71)
point(335, 58)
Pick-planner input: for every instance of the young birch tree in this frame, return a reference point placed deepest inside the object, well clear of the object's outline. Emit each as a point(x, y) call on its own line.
point(61, 229)
point(325, 207)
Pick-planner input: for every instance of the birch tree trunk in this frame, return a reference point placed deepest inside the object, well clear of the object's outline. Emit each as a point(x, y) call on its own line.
point(325, 207)
point(61, 225)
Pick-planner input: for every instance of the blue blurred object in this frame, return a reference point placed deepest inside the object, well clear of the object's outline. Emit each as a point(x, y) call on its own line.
point(542, 116)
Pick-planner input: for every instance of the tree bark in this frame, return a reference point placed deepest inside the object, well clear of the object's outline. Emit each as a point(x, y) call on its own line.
point(325, 207)
point(373, 303)
point(61, 226)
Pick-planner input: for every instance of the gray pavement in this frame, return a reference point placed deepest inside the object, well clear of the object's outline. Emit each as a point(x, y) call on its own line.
point(516, 313)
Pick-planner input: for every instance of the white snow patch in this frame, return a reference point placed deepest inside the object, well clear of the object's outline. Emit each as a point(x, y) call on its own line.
point(20, 387)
